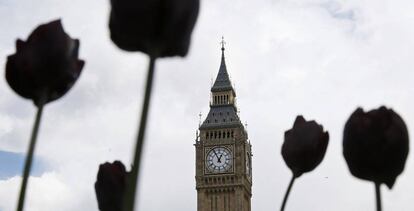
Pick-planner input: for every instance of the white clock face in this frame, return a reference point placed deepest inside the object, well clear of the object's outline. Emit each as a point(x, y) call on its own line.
point(219, 160)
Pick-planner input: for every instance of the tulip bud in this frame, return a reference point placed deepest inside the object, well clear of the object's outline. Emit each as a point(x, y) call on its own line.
point(158, 28)
point(304, 146)
point(375, 145)
point(110, 186)
point(46, 66)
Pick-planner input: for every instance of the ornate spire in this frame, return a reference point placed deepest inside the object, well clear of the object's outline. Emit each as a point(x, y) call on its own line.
point(222, 82)
point(223, 110)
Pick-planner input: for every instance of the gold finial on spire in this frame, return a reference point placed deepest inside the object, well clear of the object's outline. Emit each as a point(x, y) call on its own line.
point(222, 43)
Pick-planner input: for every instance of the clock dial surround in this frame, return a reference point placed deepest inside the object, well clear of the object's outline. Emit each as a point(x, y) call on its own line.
point(219, 160)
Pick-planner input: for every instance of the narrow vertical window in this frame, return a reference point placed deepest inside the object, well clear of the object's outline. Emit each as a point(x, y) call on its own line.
point(211, 202)
point(225, 202)
point(215, 203)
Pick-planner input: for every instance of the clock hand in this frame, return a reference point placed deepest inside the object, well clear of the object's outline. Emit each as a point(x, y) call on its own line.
point(219, 158)
point(216, 155)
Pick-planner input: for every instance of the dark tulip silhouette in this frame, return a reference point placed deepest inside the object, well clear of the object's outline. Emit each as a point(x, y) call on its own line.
point(303, 149)
point(110, 186)
point(304, 146)
point(375, 145)
point(159, 28)
point(45, 66)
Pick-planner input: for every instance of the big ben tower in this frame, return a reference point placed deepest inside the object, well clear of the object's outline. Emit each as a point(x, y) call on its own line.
point(223, 152)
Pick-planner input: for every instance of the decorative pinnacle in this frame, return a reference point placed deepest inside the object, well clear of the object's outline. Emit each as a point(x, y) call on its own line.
point(222, 43)
point(197, 136)
point(199, 121)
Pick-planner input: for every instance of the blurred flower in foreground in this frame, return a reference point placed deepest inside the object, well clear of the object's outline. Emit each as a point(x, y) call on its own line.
point(375, 145)
point(303, 149)
point(43, 69)
point(45, 66)
point(110, 186)
point(159, 28)
point(304, 146)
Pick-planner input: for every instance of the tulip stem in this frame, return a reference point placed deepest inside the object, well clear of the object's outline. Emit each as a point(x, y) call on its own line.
point(287, 193)
point(378, 195)
point(29, 156)
point(134, 175)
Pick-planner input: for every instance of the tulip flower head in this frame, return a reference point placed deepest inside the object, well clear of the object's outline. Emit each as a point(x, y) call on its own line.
point(159, 28)
point(303, 149)
point(110, 186)
point(304, 146)
point(45, 66)
point(375, 145)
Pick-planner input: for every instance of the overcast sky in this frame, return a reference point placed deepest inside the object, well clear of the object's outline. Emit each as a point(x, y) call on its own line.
point(318, 58)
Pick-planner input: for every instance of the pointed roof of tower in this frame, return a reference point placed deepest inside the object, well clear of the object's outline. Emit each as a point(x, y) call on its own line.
point(222, 115)
point(222, 82)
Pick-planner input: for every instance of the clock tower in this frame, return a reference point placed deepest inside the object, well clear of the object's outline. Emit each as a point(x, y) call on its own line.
point(223, 152)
